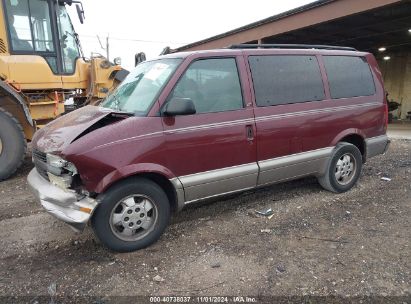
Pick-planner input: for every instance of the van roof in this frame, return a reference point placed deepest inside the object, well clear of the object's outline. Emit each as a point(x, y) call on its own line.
point(254, 49)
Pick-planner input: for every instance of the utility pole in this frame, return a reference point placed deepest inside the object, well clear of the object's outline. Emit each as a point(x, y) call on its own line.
point(108, 47)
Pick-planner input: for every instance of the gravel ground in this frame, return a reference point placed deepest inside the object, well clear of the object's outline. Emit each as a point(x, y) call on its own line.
point(317, 243)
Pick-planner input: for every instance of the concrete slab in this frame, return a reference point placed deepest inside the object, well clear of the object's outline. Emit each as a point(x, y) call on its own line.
point(399, 130)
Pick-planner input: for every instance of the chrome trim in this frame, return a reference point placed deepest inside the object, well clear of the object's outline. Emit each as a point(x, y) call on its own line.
point(131, 138)
point(64, 205)
point(376, 145)
point(244, 121)
point(270, 117)
point(214, 182)
point(211, 126)
point(318, 111)
point(182, 130)
point(293, 166)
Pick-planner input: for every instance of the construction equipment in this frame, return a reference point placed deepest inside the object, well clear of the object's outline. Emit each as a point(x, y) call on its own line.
point(41, 66)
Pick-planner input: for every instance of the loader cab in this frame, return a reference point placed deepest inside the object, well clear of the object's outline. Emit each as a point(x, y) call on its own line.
point(43, 28)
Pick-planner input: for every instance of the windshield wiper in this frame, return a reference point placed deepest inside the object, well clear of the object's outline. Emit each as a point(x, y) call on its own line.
point(116, 103)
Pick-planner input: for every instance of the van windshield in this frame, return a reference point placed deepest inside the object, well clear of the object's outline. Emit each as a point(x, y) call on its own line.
point(139, 90)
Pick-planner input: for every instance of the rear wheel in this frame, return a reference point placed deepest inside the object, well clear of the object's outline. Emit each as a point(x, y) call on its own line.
point(12, 144)
point(343, 169)
point(132, 215)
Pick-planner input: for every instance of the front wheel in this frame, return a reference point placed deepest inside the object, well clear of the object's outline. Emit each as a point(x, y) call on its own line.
point(131, 215)
point(343, 170)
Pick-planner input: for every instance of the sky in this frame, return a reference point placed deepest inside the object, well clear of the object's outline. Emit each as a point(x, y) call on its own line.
point(149, 26)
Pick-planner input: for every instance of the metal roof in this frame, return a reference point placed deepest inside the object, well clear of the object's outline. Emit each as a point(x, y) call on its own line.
point(258, 23)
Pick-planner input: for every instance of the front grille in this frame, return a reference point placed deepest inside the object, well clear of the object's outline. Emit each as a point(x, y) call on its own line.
point(40, 162)
point(41, 156)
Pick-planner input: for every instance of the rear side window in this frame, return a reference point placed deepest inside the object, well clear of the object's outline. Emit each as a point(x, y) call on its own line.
point(286, 79)
point(349, 76)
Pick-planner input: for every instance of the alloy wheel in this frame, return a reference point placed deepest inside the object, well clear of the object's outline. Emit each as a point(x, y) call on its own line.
point(133, 217)
point(345, 169)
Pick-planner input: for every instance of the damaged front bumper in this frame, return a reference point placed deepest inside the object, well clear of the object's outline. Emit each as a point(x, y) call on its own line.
point(67, 206)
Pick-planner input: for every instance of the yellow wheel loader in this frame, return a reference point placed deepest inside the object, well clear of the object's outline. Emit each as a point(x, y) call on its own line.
point(42, 66)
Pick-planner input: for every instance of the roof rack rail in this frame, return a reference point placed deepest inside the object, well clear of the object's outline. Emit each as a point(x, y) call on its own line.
point(291, 46)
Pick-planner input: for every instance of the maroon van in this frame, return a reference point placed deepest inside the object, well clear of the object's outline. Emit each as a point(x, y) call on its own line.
point(189, 126)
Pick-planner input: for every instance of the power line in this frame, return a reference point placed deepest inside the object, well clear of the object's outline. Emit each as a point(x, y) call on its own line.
point(137, 40)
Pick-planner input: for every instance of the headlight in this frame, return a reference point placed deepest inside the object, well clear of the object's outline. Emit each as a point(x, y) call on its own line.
point(60, 171)
point(55, 161)
point(117, 61)
point(63, 181)
point(62, 165)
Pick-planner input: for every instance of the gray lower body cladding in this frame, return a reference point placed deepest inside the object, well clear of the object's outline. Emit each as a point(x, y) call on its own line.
point(223, 181)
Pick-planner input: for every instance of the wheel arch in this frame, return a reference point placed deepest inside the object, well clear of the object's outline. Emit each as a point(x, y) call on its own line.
point(355, 137)
point(157, 174)
point(14, 103)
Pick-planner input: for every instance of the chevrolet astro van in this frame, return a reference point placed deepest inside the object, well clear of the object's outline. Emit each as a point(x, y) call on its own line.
point(189, 126)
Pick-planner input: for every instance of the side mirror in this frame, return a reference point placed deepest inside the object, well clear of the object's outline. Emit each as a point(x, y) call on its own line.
point(179, 106)
point(139, 57)
point(165, 51)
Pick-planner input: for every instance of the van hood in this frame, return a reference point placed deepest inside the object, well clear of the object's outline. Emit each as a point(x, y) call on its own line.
point(58, 134)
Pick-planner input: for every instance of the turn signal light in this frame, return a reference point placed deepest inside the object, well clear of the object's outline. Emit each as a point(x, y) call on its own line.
point(87, 210)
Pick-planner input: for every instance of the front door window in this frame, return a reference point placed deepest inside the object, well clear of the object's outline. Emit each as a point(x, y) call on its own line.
point(212, 84)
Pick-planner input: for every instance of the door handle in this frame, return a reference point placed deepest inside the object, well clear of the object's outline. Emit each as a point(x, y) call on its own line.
point(250, 132)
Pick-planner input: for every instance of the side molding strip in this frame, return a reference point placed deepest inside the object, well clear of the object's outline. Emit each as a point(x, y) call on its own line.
point(218, 174)
point(203, 185)
point(292, 166)
point(215, 182)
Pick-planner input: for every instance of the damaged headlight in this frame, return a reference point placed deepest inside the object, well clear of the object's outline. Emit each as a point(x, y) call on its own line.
point(62, 181)
point(55, 161)
point(60, 171)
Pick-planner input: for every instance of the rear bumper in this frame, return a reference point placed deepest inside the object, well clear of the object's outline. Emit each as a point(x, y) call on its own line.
point(377, 145)
point(64, 205)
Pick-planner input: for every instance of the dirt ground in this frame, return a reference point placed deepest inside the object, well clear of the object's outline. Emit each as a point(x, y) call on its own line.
point(317, 244)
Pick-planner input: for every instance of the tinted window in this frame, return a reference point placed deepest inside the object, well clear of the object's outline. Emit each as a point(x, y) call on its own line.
point(286, 79)
point(212, 84)
point(348, 76)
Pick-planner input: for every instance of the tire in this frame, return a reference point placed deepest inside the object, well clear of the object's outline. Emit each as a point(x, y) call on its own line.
point(135, 202)
point(12, 144)
point(338, 176)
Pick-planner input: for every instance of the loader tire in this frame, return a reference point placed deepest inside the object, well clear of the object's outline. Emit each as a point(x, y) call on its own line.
point(12, 144)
